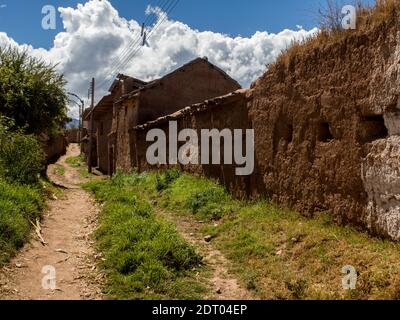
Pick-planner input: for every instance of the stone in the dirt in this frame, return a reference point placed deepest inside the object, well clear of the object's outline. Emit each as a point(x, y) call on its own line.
point(18, 265)
point(208, 238)
point(218, 291)
point(279, 252)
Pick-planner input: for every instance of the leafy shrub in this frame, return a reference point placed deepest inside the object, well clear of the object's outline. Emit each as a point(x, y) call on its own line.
point(18, 206)
point(165, 179)
point(209, 203)
point(21, 157)
point(297, 288)
point(31, 92)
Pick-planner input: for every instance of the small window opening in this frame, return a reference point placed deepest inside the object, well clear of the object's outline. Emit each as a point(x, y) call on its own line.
point(375, 128)
point(289, 134)
point(325, 133)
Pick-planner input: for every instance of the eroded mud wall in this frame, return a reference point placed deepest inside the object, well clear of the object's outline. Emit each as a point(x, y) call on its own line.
point(228, 112)
point(326, 127)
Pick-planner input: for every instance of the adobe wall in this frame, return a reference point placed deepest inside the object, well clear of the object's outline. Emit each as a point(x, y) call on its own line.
point(125, 112)
point(327, 130)
point(194, 83)
point(228, 112)
point(104, 123)
point(73, 135)
point(54, 147)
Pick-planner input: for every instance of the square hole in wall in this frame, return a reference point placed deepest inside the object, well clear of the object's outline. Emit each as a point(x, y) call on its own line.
point(325, 133)
point(374, 128)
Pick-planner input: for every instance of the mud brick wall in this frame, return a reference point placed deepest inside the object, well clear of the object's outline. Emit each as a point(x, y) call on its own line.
point(229, 112)
point(54, 147)
point(326, 126)
point(73, 136)
point(124, 117)
point(103, 129)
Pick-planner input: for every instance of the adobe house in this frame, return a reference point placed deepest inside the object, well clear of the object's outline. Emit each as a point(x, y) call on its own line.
point(195, 82)
point(85, 138)
point(102, 120)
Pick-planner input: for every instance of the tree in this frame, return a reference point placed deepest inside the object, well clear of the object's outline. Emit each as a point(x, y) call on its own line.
point(31, 92)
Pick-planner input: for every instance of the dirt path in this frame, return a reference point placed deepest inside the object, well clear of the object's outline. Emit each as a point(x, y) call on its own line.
point(66, 228)
point(225, 286)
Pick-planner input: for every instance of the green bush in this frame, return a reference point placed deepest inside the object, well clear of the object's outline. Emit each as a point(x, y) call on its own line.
point(31, 93)
point(21, 157)
point(18, 206)
point(165, 179)
point(209, 203)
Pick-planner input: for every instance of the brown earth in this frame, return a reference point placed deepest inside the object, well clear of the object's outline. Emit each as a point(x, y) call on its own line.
point(224, 285)
point(66, 229)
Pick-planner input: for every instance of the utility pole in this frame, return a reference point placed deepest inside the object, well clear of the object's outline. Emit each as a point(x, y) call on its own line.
point(91, 128)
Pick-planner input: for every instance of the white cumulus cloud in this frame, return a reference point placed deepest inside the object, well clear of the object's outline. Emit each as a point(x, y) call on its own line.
point(96, 37)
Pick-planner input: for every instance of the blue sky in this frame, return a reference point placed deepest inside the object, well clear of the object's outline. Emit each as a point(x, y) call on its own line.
point(21, 19)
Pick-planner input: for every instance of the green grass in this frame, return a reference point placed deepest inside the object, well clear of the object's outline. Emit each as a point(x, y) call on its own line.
point(277, 253)
point(78, 162)
point(59, 170)
point(144, 257)
point(75, 162)
point(19, 204)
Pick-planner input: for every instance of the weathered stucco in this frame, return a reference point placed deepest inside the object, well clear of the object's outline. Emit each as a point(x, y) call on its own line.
point(325, 123)
point(381, 178)
point(226, 112)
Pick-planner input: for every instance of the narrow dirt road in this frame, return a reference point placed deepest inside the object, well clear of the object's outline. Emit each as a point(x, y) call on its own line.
point(68, 256)
point(224, 285)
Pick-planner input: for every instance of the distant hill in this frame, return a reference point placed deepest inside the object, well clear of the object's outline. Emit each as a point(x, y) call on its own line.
point(73, 124)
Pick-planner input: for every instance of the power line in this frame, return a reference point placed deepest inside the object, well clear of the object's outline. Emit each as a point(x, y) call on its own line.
point(160, 4)
point(170, 6)
point(128, 54)
point(134, 42)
